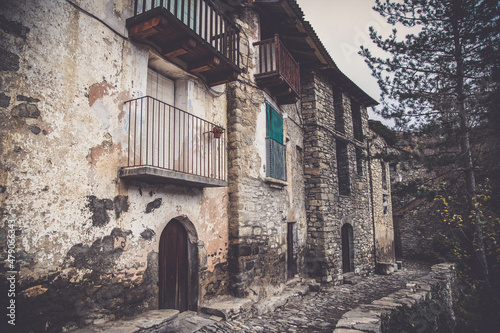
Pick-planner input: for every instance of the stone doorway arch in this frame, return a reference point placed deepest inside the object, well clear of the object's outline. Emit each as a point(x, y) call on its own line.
point(178, 266)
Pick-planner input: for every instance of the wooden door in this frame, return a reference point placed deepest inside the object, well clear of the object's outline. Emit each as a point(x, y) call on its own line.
point(173, 267)
point(347, 249)
point(290, 261)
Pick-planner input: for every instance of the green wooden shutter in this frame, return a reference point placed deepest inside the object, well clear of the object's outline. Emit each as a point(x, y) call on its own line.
point(274, 124)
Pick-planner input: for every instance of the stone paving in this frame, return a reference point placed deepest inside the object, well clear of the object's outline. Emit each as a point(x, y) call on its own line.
point(320, 311)
point(315, 312)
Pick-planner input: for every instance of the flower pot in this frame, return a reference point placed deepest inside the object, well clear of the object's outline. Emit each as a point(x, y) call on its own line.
point(217, 132)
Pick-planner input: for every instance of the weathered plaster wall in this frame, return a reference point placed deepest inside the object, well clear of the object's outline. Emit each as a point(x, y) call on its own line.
point(259, 210)
point(381, 201)
point(87, 241)
point(327, 210)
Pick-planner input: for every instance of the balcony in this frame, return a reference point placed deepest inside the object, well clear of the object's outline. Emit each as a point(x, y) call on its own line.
point(278, 71)
point(192, 33)
point(168, 145)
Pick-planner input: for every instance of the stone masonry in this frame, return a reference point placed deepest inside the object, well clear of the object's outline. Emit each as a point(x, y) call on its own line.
point(327, 209)
point(260, 208)
point(88, 240)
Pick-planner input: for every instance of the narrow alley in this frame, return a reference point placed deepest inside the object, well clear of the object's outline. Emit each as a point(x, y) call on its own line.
point(315, 312)
point(320, 311)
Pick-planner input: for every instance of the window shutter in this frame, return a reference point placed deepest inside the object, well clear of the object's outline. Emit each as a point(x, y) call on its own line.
point(160, 87)
point(274, 124)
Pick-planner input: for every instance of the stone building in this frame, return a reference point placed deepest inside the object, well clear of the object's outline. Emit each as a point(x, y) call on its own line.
point(164, 154)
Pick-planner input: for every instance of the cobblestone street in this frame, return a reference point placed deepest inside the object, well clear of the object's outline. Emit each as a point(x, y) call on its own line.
point(320, 311)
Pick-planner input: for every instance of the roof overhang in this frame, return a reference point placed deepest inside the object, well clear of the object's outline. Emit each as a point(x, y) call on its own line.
point(287, 19)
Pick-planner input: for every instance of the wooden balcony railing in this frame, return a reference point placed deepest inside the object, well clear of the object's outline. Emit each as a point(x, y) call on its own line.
point(194, 31)
point(278, 71)
point(174, 145)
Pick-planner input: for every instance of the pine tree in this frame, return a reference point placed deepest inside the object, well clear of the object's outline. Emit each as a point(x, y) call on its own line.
point(438, 81)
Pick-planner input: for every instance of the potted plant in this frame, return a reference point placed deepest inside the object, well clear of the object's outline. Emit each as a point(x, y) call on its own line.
point(217, 130)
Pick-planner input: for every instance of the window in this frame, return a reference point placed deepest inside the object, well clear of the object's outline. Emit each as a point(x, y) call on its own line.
point(356, 121)
point(339, 112)
point(276, 152)
point(343, 168)
point(160, 87)
point(359, 161)
point(384, 175)
point(385, 204)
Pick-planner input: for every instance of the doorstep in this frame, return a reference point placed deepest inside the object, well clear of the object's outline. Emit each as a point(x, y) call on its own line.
point(147, 320)
point(229, 308)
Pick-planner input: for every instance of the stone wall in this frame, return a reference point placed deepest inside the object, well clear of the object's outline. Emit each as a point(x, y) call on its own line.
point(86, 240)
point(260, 208)
point(415, 213)
point(381, 201)
point(425, 305)
point(327, 209)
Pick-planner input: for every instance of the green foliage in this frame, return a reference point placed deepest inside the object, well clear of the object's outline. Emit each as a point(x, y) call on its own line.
point(477, 308)
point(449, 59)
point(438, 82)
point(382, 130)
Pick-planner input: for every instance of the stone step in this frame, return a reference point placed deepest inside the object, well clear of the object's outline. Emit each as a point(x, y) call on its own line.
point(231, 308)
point(227, 308)
point(351, 278)
point(149, 320)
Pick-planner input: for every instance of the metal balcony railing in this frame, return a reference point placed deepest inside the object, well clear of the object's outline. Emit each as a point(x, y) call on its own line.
point(165, 137)
point(202, 18)
point(276, 61)
point(276, 159)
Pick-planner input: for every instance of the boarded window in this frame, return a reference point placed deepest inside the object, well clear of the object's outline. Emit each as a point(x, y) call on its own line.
point(384, 175)
point(339, 112)
point(343, 168)
point(356, 121)
point(359, 161)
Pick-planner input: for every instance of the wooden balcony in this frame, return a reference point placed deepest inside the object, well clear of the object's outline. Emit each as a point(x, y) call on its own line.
point(168, 145)
point(278, 71)
point(192, 33)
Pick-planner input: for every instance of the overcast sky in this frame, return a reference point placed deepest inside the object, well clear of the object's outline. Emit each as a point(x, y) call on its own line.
point(342, 26)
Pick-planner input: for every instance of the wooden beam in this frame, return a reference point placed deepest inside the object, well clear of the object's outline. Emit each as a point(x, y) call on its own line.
point(281, 90)
point(148, 28)
point(297, 36)
point(290, 99)
point(295, 48)
point(204, 65)
point(308, 54)
point(179, 48)
point(266, 81)
point(221, 78)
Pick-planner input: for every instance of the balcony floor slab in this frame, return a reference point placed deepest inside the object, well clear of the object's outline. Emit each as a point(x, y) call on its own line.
point(152, 174)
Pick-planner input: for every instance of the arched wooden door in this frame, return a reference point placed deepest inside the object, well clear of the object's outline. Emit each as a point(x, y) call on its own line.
point(173, 267)
point(347, 248)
